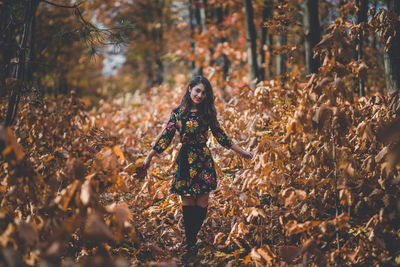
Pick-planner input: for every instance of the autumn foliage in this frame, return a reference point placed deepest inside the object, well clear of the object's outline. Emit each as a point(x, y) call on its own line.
point(321, 190)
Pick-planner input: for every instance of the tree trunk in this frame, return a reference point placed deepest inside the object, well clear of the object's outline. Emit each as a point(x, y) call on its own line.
point(373, 37)
point(31, 53)
point(199, 23)
point(23, 66)
point(312, 34)
point(203, 15)
point(225, 60)
point(362, 6)
point(264, 36)
point(281, 58)
point(62, 86)
point(197, 14)
point(270, 53)
point(392, 56)
point(160, 50)
point(4, 35)
point(8, 44)
point(251, 42)
point(160, 71)
point(192, 31)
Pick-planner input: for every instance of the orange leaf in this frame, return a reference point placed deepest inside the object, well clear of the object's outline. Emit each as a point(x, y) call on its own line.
point(119, 153)
point(267, 254)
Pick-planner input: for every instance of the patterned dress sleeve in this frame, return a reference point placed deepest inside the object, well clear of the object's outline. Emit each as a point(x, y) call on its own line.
point(167, 134)
point(221, 136)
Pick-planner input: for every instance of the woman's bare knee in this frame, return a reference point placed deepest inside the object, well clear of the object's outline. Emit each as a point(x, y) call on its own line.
point(202, 200)
point(188, 201)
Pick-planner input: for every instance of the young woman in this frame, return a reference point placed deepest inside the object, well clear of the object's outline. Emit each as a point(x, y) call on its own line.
point(195, 176)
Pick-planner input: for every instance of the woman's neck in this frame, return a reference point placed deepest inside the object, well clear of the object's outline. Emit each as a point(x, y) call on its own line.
point(193, 107)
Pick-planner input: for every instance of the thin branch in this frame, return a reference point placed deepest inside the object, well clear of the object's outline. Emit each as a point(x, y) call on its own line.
point(58, 5)
point(91, 29)
point(6, 27)
point(76, 7)
point(83, 19)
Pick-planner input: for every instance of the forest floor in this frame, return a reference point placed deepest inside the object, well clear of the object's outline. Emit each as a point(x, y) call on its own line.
point(161, 248)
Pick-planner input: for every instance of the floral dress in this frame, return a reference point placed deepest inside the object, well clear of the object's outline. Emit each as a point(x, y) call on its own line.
point(195, 173)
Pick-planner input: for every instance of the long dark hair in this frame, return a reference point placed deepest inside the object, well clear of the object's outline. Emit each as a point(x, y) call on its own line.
point(206, 109)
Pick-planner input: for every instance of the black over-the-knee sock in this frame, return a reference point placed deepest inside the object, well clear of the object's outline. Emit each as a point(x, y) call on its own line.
point(200, 215)
point(189, 218)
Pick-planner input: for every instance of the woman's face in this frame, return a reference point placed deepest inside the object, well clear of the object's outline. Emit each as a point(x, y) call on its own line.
point(197, 93)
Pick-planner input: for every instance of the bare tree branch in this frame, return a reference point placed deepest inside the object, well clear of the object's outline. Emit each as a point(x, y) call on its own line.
point(77, 10)
point(94, 33)
point(58, 5)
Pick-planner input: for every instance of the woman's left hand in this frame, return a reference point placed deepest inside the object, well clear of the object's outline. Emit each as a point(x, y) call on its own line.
point(247, 155)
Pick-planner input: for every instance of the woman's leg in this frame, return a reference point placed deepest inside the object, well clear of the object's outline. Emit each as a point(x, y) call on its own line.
point(188, 201)
point(202, 200)
point(200, 212)
point(189, 217)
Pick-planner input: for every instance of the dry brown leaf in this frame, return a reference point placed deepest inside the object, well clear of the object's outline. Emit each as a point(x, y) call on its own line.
point(85, 192)
point(121, 212)
point(384, 151)
point(289, 253)
point(12, 150)
point(96, 230)
point(27, 232)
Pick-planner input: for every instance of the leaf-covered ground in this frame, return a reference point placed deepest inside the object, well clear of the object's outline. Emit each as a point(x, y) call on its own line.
point(322, 188)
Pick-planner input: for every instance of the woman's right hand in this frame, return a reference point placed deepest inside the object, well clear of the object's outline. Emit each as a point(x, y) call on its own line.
point(147, 161)
point(141, 171)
